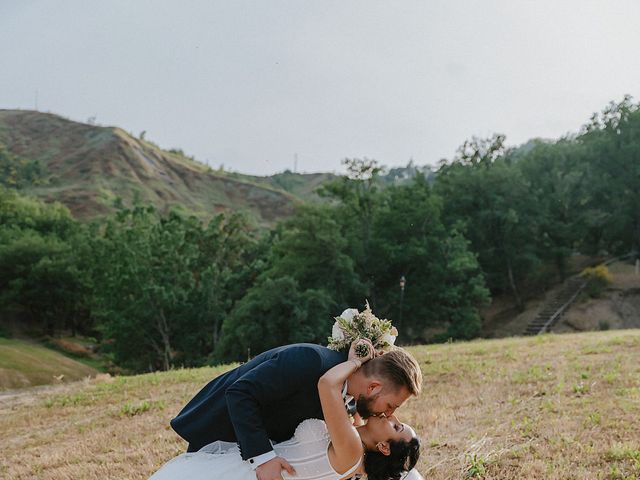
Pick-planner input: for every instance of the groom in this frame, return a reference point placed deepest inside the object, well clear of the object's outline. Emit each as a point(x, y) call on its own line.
point(267, 397)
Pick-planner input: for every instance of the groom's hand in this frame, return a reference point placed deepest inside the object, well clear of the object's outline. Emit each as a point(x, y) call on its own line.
point(272, 470)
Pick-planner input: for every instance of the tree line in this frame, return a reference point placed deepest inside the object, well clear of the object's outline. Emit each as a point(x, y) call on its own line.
point(161, 291)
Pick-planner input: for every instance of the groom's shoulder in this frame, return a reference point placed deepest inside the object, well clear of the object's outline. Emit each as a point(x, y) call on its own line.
point(310, 351)
point(327, 357)
point(309, 347)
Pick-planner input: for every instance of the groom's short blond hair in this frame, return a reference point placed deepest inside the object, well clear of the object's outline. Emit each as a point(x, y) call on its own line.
point(398, 367)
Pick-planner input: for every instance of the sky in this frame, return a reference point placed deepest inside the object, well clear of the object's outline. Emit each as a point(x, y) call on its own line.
point(255, 85)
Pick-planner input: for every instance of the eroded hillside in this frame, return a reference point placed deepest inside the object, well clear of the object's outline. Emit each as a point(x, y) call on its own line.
point(91, 168)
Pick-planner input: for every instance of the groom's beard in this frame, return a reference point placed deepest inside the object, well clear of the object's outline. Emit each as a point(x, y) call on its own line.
point(364, 405)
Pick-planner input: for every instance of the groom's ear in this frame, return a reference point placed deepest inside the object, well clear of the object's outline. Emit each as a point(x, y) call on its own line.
point(374, 387)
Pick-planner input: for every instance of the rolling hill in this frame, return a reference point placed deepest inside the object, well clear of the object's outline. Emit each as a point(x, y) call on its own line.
point(26, 364)
point(90, 168)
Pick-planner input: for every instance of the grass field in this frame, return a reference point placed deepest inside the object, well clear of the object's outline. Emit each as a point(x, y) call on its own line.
point(548, 407)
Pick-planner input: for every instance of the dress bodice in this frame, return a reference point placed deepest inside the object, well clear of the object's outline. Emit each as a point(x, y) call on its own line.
point(307, 452)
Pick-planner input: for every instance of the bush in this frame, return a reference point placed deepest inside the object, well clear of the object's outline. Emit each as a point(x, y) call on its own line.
point(598, 279)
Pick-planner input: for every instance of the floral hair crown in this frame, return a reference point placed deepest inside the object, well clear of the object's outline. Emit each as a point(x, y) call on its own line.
point(353, 325)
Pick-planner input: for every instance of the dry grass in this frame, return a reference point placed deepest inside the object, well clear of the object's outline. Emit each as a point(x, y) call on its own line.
point(549, 407)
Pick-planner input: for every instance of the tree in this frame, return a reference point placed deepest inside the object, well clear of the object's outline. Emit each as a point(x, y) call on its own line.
point(356, 195)
point(275, 312)
point(611, 146)
point(308, 279)
point(41, 274)
point(555, 180)
point(312, 249)
point(445, 285)
point(165, 286)
point(229, 262)
point(486, 197)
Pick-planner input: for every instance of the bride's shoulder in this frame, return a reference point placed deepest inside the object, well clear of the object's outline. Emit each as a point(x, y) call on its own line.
point(311, 429)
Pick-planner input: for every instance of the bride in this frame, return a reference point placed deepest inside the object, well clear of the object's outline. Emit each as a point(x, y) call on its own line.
point(333, 449)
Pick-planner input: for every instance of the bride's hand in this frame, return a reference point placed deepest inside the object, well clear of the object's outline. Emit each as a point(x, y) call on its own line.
point(354, 356)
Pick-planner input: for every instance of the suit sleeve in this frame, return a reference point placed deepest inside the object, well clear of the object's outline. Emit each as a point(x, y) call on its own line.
point(261, 388)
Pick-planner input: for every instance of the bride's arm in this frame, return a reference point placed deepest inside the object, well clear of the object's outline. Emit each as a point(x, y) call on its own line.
point(344, 437)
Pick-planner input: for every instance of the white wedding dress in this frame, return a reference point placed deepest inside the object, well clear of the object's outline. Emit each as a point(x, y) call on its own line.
point(306, 452)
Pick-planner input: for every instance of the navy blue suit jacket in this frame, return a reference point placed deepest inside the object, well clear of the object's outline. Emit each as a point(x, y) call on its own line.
point(265, 398)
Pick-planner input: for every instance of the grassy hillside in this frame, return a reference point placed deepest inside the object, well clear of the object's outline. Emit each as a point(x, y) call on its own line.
point(91, 166)
point(302, 185)
point(548, 407)
point(26, 364)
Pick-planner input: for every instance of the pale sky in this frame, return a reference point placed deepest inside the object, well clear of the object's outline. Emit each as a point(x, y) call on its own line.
point(250, 84)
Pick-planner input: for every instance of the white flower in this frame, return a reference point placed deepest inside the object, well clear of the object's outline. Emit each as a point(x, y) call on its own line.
point(388, 338)
point(336, 332)
point(349, 313)
point(354, 325)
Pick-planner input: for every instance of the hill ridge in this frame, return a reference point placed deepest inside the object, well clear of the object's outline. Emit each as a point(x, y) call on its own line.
point(91, 166)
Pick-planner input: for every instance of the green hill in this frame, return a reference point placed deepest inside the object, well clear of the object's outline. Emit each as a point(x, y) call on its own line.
point(89, 167)
point(26, 364)
point(546, 407)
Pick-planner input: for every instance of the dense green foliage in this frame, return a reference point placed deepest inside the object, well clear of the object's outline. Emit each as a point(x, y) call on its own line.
point(165, 285)
point(541, 203)
point(489, 199)
point(167, 290)
point(43, 263)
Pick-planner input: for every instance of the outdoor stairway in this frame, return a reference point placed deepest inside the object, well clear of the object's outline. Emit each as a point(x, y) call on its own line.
point(554, 309)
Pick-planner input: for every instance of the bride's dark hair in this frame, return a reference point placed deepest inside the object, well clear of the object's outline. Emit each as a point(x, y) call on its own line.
point(403, 457)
